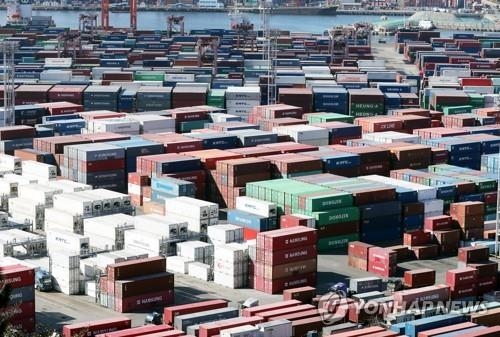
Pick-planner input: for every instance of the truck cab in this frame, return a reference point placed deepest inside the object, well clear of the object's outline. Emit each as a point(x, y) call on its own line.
point(43, 281)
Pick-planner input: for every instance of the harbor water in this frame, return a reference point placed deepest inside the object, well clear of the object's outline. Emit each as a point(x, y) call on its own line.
point(199, 20)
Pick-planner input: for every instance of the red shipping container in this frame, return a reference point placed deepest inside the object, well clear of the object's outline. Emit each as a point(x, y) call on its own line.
point(169, 313)
point(266, 315)
point(144, 301)
point(287, 238)
point(463, 291)
point(153, 283)
point(450, 328)
point(381, 269)
point(419, 278)
point(303, 294)
point(487, 268)
point(287, 255)
point(357, 262)
point(300, 315)
point(459, 277)
point(382, 255)
point(425, 252)
point(416, 238)
point(405, 298)
point(360, 332)
point(359, 249)
point(291, 220)
point(254, 311)
point(25, 325)
point(170, 333)
point(277, 286)
point(473, 254)
point(20, 311)
point(17, 276)
point(302, 326)
point(139, 331)
point(138, 179)
point(128, 269)
point(438, 223)
point(493, 331)
point(486, 284)
point(249, 234)
point(214, 328)
point(97, 327)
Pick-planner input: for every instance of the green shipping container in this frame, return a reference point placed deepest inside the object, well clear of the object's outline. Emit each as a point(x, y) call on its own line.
point(324, 202)
point(326, 245)
point(149, 76)
point(192, 125)
point(333, 216)
point(357, 114)
point(324, 117)
point(453, 110)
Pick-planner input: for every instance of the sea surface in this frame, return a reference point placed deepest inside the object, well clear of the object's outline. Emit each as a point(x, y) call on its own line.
point(199, 20)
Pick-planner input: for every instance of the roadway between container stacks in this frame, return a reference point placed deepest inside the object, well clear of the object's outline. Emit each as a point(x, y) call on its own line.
point(393, 60)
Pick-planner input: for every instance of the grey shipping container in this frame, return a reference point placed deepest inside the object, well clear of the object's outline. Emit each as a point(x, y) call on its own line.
point(24, 294)
point(366, 284)
point(368, 296)
point(183, 321)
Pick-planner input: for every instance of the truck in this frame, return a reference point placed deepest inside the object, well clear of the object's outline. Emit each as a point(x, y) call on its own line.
point(43, 280)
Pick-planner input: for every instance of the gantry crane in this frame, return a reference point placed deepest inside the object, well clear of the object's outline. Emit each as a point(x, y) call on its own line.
point(205, 45)
point(175, 25)
point(8, 48)
point(71, 44)
point(269, 49)
point(105, 14)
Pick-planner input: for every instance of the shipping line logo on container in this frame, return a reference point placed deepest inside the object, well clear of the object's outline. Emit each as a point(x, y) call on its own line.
point(332, 307)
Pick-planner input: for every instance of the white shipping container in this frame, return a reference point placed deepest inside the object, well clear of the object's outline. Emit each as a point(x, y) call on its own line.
point(89, 269)
point(226, 233)
point(241, 331)
point(109, 226)
point(145, 242)
point(256, 206)
point(67, 241)
point(153, 122)
point(27, 206)
point(241, 104)
point(431, 214)
point(196, 251)
point(11, 163)
point(243, 93)
point(105, 259)
point(179, 77)
point(160, 225)
point(40, 170)
point(483, 90)
point(117, 125)
point(131, 254)
point(371, 63)
point(91, 289)
point(64, 259)
point(9, 188)
point(347, 77)
point(391, 137)
point(195, 208)
point(424, 192)
point(77, 204)
point(58, 218)
point(68, 186)
point(20, 180)
point(301, 133)
point(278, 328)
point(177, 264)
point(200, 271)
point(39, 193)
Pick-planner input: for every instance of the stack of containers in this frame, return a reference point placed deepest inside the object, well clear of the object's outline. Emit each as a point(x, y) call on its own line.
point(487, 271)
point(231, 265)
point(21, 280)
point(153, 98)
point(290, 165)
point(96, 97)
point(330, 99)
point(469, 218)
point(340, 132)
point(137, 186)
point(442, 233)
point(286, 258)
point(198, 214)
point(98, 164)
point(187, 96)
point(163, 188)
point(137, 147)
point(462, 152)
point(39, 171)
point(366, 102)
point(254, 215)
point(300, 97)
point(125, 126)
point(15, 137)
point(232, 175)
point(382, 261)
point(66, 241)
point(200, 256)
point(65, 270)
point(462, 282)
point(337, 162)
point(419, 242)
point(241, 100)
point(137, 285)
point(358, 253)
